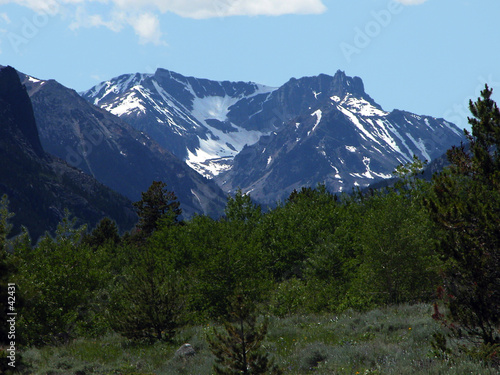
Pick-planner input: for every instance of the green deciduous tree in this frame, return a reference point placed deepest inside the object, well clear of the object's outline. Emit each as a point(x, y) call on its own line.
point(397, 259)
point(289, 234)
point(242, 211)
point(218, 257)
point(466, 205)
point(60, 279)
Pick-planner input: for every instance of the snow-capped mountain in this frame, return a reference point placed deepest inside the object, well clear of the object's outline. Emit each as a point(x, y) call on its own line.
point(322, 129)
point(343, 139)
point(107, 148)
point(186, 115)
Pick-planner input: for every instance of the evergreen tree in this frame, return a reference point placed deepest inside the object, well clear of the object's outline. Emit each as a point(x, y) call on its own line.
point(105, 231)
point(466, 205)
point(157, 203)
point(146, 301)
point(238, 351)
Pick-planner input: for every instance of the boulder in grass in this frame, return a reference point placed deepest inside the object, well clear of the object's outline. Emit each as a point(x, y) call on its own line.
point(186, 350)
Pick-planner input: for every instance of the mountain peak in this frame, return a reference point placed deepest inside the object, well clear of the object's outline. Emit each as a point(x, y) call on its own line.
point(339, 85)
point(162, 73)
point(352, 84)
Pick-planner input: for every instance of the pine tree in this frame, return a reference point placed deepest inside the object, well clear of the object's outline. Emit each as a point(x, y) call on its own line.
point(466, 206)
point(157, 204)
point(105, 231)
point(146, 302)
point(238, 350)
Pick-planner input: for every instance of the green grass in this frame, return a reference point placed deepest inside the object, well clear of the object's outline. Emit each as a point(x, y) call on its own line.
point(393, 340)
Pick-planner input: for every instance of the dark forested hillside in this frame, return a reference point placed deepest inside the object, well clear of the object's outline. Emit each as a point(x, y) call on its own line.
point(39, 186)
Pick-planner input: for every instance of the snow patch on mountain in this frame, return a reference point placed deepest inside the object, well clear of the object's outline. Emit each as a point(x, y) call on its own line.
point(213, 107)
point(369, 174)
point(318, 115)
point(452, 128)
point(355, 120)
point(131, 103)
point(386, 128)
point(420, 145)
point(34, 80)
point(363, 107)
point(116, 86)
point(220, 145)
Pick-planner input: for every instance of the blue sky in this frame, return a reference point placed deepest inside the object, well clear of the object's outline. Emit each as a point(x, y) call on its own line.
point(424, 56)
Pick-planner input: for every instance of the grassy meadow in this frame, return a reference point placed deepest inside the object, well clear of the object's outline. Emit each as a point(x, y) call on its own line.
point(391, 340)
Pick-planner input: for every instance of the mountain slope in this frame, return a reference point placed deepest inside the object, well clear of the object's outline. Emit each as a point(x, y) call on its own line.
point(107, 148)
point(343, 139)
point(40, 187)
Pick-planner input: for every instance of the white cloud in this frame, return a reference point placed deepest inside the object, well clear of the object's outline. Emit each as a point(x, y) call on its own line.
point(147, 27)
point(411, 2)
point(192, 8)
point(81, 18)
point(41, 6)
point(225, 8)
point(142, 15)
point(4, 20)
